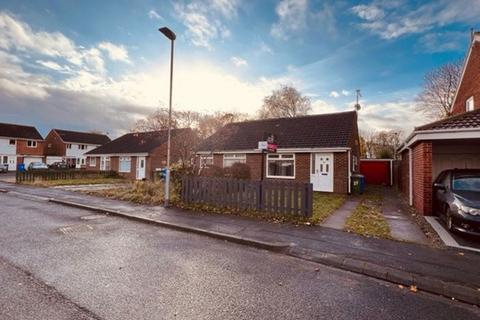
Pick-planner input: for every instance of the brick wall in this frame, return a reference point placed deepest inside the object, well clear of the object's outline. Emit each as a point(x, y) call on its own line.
point(254, 161)
point(54, 146)
point(340, 172)
point(22, 148)
point(422, 177)
point(404, 181)
point(470, 85)
point(97, 164)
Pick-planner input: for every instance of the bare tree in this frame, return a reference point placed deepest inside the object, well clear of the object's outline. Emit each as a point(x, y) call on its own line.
point(210, 123)
point(158, 120)
point(439, 89)
point(285, 102)
point(380, 144)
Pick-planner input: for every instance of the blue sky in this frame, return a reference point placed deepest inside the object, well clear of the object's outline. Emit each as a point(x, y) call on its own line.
point(102, 64)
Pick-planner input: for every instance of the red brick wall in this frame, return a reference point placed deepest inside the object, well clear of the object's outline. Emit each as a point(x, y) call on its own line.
point(340, 172)
point(470, 85)
point(54, 146)
point(422, 177)
point(254, 161)
point(218, 160)
point(22, 148)
point(97, 164)
point(404, 173)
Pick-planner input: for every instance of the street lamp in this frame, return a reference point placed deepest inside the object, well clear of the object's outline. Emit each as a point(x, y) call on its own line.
point(171, 36)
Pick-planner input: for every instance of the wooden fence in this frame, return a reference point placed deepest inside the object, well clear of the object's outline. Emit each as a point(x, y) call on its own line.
point(45, 175)
point(279, 197)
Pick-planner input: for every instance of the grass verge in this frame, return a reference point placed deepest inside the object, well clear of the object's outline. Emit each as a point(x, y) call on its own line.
point(367, 218)
point(138, 192)
point(66, 182)
point(324, 204)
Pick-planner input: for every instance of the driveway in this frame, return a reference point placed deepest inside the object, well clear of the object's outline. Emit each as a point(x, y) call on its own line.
point(117, 269)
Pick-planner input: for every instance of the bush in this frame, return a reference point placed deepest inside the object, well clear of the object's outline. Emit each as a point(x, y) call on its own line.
point(212, 171)
point(239, 171)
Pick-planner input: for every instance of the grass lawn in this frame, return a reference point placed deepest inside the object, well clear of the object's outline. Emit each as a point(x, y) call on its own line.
point(325, 204)
point(367, 218)
point(137, 192)
point(66, 182)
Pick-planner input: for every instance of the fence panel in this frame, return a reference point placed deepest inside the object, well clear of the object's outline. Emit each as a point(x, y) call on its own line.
point(278, 197)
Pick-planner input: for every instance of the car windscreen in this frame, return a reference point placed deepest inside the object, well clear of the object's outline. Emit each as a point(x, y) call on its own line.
point(466, 183)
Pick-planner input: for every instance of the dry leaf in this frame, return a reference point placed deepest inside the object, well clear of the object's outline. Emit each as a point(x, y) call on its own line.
point(461, 254)
point(400, 286)
point(413, 288)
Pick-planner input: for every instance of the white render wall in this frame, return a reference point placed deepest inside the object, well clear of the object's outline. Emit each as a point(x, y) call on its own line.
point(75, 152)
point(6, 148)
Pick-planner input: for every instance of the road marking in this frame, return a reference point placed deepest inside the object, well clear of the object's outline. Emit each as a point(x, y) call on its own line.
point(445, 235)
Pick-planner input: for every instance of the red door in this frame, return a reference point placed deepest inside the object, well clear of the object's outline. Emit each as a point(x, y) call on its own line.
point(376, 171)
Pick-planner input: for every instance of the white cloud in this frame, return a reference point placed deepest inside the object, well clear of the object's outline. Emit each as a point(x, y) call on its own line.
point(321, 106)
point(334, 94)
point(292, 16)
point(239, 62)
point(264, 48)
point(443, 41)
point(115, 52)
point(203, 20)
point(152, 14)
point(390, 22)
point(54, 66)
point(345, 93)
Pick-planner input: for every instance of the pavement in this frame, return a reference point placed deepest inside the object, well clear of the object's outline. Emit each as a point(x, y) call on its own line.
point(339, 217)
point(447, 271)
point(112, 268)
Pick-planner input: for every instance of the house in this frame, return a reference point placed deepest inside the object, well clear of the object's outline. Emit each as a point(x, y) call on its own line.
point(137, 155)
point(71, 146)
point(20, 144)
point(450, 143)
point(320, 149)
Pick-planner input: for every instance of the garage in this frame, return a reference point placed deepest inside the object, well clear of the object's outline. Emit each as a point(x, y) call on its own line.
point(28, 160)
point(377, 171)
point(457, 154)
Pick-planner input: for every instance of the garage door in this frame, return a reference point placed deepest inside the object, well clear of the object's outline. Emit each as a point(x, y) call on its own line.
point(455, 156)
point(376, 171)
point(28, 160)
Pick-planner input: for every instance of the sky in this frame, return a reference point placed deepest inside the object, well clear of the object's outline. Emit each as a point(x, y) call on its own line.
point(102, 65)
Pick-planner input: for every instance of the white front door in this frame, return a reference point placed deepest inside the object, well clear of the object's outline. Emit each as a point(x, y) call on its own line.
point(140, 168)
point(321, 175)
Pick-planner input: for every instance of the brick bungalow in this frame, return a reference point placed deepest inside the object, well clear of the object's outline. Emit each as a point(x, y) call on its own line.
point(71, 146)
point(137, 155)
point(20, 144)
point(320, 149)
point(446, 144)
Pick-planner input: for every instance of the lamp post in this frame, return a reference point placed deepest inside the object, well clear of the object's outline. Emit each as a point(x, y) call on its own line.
point(171, 36)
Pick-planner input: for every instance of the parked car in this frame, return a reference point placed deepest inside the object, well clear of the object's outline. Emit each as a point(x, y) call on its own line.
point(58, 165)
point(456, 199)
point(3, 167)
point(37, 166)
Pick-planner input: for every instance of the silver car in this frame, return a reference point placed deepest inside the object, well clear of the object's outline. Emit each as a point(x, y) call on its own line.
point(3, 167)
point(37, 166)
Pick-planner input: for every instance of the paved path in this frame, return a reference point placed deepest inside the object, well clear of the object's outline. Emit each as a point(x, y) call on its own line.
point(338, 218)
point(117, 269)
point(401, 227)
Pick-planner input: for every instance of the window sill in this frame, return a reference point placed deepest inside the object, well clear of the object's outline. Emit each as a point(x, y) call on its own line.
point(280, 177)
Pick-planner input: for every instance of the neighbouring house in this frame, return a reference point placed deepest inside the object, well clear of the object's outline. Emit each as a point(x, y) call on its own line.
point(320, 149)
point(138, 155)
point(20, 144)
point(71, 146)
point(450, 143)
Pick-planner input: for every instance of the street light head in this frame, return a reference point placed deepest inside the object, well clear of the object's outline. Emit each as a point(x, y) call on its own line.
point(168, 33)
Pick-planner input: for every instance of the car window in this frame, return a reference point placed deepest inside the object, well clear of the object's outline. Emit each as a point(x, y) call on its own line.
point(466, 183)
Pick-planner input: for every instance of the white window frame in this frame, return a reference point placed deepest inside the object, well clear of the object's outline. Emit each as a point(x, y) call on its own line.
point(69, 146)
point(124, 160)
point(280, 158)
point(236, 157)
point(206, 161)
point(469, 104)
point(31, 144)
point(92, 161)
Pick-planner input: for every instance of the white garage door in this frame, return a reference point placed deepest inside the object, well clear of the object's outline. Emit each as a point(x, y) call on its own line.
point(28, 160)
point(51, 159)
point(455, 156)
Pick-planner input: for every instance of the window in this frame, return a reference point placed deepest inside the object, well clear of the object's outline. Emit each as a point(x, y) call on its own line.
point(125, 164)
point(229, 159)
point(206, 161)
point(12, 142)
point(5, 159)
point(69, 146)
point(31, 144)
point(281, 166)
point(313, 168)
point(93, 162)
point(82, 147)
point(49, 145)
point(469, 104)
point(83, 161)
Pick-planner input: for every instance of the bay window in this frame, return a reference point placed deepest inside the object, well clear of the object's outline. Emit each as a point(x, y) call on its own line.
point(231, 158)
point(281, 166)
point(125, 164)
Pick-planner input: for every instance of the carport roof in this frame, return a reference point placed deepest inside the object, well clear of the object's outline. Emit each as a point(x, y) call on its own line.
point(465, 120)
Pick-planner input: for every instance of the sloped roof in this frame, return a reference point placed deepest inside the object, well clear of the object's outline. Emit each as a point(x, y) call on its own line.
point(136, 142)
point(19, 131)
point(82, 137)
point(469, 119)
point(314, 131)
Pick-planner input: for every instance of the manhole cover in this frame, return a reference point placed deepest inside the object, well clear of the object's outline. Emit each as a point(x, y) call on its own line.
point(75, 228)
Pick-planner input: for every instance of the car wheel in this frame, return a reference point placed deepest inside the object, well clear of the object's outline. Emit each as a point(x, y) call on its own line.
point(449, 220)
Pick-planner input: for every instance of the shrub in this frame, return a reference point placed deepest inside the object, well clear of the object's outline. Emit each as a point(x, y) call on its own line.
point(212, 171)
point(239, 171)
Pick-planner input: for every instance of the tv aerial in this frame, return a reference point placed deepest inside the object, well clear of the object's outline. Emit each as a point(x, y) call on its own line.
point(359, 95)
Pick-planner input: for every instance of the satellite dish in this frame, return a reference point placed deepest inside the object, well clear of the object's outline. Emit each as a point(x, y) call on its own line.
point(357, 105)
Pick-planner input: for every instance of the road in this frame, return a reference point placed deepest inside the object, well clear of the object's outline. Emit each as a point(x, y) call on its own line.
point(74, 264)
